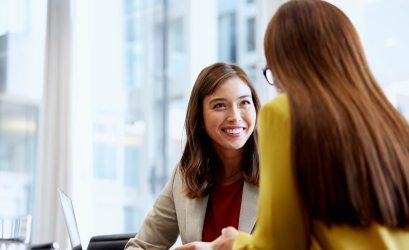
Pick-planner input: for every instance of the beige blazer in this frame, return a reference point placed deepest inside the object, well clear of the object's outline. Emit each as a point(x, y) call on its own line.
point(173, 214)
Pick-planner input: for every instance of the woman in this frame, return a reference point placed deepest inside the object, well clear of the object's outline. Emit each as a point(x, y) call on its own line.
point(334, 153)
point(215, 184)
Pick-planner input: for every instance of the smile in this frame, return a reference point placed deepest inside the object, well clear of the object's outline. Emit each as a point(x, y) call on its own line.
point(234, 132)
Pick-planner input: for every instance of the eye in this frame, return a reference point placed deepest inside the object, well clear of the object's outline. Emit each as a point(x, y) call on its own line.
point(245, 102)
point(219, 105)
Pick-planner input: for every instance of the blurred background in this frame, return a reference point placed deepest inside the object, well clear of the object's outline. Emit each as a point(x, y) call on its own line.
point(93, 95)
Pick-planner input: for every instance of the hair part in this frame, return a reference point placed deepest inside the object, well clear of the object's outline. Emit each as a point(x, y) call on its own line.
point(350, 146)
point(199, 165)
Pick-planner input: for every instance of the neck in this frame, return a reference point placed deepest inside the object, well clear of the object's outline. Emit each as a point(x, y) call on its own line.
point(231, 161)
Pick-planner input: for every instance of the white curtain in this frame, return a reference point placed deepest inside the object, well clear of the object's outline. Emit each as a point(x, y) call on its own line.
point(54, 169)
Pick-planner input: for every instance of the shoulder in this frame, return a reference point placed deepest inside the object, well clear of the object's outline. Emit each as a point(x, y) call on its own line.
point(176, 177)
point(278, 106)
point(177, 182)
point(176, 171)
point(276, 112)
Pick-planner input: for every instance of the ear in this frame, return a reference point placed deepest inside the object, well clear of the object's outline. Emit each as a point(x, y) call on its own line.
point(202, 125)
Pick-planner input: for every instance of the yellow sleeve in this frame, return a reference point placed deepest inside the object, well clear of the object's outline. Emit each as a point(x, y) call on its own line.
point(280, 222)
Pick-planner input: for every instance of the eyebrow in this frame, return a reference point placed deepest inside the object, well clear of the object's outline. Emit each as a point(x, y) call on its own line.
point(223, 99)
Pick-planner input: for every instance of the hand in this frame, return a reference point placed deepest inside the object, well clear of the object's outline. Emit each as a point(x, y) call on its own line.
point(226, 240)
point(197, 245)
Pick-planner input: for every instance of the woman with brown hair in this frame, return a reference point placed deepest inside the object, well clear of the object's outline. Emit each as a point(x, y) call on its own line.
point(334, 152)
point(215, 184)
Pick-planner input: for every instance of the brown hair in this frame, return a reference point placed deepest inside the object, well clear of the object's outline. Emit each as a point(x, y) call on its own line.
point(350, 150)
point(199, 164)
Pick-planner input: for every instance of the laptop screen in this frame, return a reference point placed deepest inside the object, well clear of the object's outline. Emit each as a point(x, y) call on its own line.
point(70, 220)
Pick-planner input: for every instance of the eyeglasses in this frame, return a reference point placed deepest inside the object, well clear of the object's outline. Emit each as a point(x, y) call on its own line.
point(269, 76)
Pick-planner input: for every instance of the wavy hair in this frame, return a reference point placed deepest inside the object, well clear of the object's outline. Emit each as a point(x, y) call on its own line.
point(199, 165)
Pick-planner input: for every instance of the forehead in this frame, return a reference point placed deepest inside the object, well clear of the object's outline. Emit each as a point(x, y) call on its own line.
point(232, 88)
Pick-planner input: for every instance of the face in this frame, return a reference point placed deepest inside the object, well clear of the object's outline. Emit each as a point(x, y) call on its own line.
point(229, 115)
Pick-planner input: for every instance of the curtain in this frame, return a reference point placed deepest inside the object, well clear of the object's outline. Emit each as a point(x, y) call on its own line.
point(54, 168)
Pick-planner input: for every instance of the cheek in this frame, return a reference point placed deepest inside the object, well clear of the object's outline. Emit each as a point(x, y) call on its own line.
point(211, 121)
point(251, 117)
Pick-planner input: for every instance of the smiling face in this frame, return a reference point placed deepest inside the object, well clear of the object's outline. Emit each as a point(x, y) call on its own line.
point(229, 115)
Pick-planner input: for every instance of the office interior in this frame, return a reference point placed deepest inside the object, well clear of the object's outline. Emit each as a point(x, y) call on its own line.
point(93, 95)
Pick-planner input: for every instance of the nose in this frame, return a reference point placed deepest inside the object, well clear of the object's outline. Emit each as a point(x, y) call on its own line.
point(234, 116)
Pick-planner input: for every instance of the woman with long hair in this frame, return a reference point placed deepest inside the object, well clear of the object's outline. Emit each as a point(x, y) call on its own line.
point(334, 152)
point(215, 184)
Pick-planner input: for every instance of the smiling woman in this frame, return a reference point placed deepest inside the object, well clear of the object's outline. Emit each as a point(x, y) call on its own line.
point(223, 101)
point(215, 184)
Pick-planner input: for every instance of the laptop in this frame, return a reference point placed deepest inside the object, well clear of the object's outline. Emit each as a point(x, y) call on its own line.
point(70, 221)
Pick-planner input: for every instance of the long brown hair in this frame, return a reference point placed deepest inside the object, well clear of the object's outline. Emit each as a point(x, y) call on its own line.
point(199, 164)
point(350, 146)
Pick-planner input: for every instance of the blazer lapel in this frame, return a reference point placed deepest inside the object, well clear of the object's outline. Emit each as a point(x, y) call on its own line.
point(195, 216)
point(248, 210)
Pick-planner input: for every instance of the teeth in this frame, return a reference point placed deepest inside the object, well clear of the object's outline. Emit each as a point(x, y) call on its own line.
point(234, 131)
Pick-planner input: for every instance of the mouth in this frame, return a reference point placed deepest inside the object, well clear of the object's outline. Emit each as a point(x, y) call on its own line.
point(234, 132)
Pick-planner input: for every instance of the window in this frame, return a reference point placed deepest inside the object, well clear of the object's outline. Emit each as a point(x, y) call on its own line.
point(177, 54)
point(132, 6)
point(22, 39)
point(251, 34)
point(236, 34)
point(18, 147)
point(403, 105)
point(132, 167)
point(227, 38)
point(251, 72)
point(104, 161)
point(133, 45)
point(133, 219)
point(177, 35)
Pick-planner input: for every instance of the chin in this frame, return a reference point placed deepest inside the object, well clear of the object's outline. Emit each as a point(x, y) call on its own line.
point(235, 147)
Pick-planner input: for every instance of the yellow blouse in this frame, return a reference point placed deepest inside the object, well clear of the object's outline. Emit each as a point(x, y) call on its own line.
point(281, 221)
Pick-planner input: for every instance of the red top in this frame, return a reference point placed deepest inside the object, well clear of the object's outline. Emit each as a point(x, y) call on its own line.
point(223, 210)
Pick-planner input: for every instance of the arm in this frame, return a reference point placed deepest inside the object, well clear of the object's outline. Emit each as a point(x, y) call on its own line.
point(281, 220)
point(160, 227)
